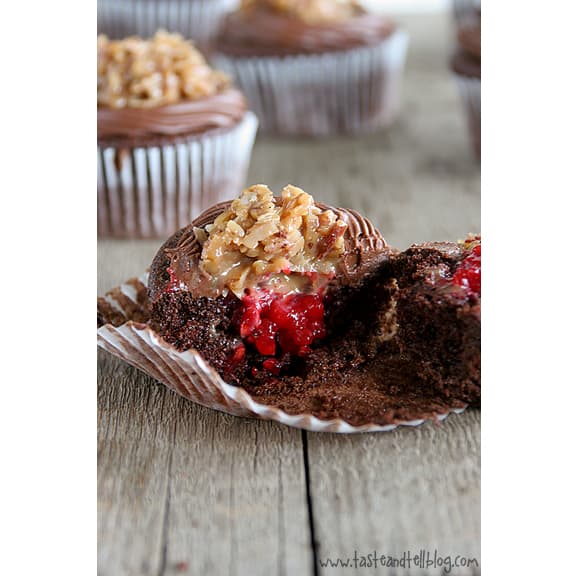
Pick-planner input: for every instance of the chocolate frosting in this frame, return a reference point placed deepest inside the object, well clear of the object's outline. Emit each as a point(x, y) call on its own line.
point(264, 33)
point(222, 110)
point(365, 250)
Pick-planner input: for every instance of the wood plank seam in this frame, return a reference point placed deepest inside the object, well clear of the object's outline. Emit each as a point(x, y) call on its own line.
point(313, 543)
point(166, 517)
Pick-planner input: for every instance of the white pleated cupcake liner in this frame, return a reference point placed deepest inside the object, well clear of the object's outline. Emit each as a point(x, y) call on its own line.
point(152, 191)
point(198, 20)
point(350, 92)
point(188, 374)
point(470, 91)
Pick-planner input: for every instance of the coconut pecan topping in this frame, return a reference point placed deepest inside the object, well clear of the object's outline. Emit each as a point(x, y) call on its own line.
point(164, 70)
point(281, 244)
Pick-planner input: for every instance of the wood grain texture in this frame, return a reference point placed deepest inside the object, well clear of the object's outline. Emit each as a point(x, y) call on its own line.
point(237, 497)
point(185, 490)
point(403, 491)
point(134, 446)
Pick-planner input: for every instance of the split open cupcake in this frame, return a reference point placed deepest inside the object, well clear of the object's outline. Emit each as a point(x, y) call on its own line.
point(285, 308)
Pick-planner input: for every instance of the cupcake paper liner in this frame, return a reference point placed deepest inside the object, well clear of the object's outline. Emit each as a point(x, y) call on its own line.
point(188, 374)
point(352, 91)
point(470, 91)
point(152, 191)
point(198, 20)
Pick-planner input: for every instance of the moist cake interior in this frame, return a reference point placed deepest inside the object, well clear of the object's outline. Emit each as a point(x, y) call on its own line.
point(368, 368)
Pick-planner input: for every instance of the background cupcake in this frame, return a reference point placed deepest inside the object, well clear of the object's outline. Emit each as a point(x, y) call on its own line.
point(467, 65)
point(174, 136)
point(315, 67)
point(197, 20)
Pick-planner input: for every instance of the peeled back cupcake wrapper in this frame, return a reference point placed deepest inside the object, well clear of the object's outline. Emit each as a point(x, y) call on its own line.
point(151, 191)
point(470, 90)
point(352, 91)
point(188, 374)
point(197, 20)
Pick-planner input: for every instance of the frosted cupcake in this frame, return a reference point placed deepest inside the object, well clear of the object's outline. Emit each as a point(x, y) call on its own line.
point(197, 20)
point(315, 67)
point(174, 136)
point(466, 64)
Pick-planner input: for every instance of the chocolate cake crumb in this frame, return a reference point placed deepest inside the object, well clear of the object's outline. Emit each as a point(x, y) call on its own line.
point(199, 323)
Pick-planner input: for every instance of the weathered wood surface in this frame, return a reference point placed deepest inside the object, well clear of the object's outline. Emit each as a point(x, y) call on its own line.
point(185, 490)
point(398, 492)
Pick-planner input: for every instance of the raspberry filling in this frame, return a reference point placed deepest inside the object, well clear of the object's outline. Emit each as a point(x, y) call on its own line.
point(468, 273)
point(278, 324)
point(174, 283)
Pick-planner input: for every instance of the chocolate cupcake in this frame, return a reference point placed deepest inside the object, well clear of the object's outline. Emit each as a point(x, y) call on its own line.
point(174, 136)
point(288, 309)
point(314, 68)
point(467, 66)
point(196, 20)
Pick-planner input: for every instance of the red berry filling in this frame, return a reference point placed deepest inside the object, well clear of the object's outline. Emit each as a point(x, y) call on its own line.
point(272, 365)
point(174, 283)
point(238, 354)
point(468, 273)
point(278, 324)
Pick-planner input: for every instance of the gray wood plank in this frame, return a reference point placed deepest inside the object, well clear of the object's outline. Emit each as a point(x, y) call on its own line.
point(237, 497)
point(134, 446)
point(405, 491)
point(183, 489)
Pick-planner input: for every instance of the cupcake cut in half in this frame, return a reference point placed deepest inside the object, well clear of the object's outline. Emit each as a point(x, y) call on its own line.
point(314, 68)
point(174, 135)
point(310, 311)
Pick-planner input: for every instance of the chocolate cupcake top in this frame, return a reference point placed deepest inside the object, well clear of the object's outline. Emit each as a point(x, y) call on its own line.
point(258, 241)
point(255, 276)
point(283, 27)
point(161, 86)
